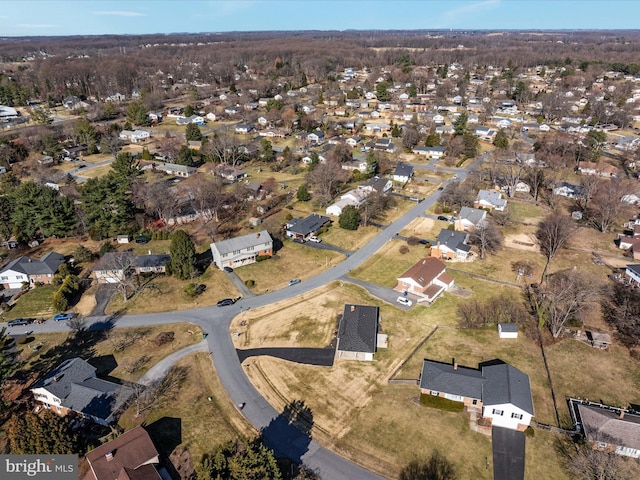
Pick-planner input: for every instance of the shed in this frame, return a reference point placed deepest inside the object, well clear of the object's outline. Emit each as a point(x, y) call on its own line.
point(123, 238)
point(508, 330)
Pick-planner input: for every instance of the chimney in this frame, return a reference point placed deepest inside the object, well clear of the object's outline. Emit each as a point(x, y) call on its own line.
point(621, 416)
point(353, 308)
point(257, 234)
point(455, 364)
point(109, 456)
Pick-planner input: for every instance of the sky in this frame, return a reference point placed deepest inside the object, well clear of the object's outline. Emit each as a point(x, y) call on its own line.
point(97, 17)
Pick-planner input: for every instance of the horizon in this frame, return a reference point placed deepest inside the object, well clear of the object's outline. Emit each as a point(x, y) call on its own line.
point(39, 18)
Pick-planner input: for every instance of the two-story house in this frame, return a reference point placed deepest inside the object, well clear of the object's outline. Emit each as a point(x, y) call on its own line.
point(239, 251)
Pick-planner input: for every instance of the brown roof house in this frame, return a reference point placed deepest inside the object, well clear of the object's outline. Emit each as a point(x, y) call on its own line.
point(130, 456)
point(426, 280)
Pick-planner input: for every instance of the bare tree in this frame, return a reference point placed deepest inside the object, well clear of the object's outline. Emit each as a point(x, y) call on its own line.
point(169, 146)
point(374, 206)
point(552, 234)
point(589, 184)
point(116, 269)
point(156, 198)
point(607, 202)
point(224, 147)
point(590, 464)
point(147, 395)
point(487, 237)
point(325, 178)
point(511, 175)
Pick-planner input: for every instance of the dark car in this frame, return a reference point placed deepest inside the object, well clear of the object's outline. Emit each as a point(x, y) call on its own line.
point(443, 218)
point(141, 240)
point(17, 321)
point(424, 242)
point(440, 188)
point(228, 269)
point(226, 302)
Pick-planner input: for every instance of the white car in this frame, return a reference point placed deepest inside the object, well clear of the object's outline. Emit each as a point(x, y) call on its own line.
point(315, 239)
point(404, 301)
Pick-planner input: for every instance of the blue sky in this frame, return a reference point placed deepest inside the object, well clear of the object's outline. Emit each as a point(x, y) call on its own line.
point(86, 17)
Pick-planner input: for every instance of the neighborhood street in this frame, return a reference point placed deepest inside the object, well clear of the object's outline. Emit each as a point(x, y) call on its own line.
point(215, 321)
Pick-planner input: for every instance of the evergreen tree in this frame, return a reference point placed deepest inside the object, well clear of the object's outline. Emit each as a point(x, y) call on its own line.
point(183, 255)
point(241, 460)
point(460, 125)
point(268, 154)
point(185, 156)
point(188, 111)
point(137, 113)
point(32, 434)
point(382, 91)
point(303, 194)
point(7, 364)
point(501, 141)
point(108, 206)
point(125, 167)
point(193, 132)
point(349, 218)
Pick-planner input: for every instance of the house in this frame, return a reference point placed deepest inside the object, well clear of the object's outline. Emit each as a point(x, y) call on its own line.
point(230, 173)
point(73, 103)
point(154, 117)
point(115, 97)
point(632, 272)
point(73, 387)
point(75, 151)
point(254, 190)
point(427, 279)
point(358, 332)
point(631, 243)
point(403, 173)
point(135, 136)
point(175, 169)
point(469, 218)
point(568, 190)
point(379, 185)
point(26, 269)
point(315, 137)
point(239, 251)
point(508, 330)
point(491, 200)
point(151, 263)
point(197, 119)
point(303, 228)
point(243, 128)
point(608, 428)
point(596, 168)
point(502, 392)
point(335, 209)
point(451, 244)
point(486, 134)
point(130, 456)
point(113, 267)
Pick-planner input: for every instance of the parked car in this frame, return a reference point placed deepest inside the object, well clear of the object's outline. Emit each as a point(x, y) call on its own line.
point(63, 316)
point(298, 240)
point(315, 239)
point(295, 281)
point(141, 240)
point(17, 321)
point(225, 302)
point(228, 269)
point(443, 218)
point(424, 241)
point(440, 188)
point(404, 301)
point(414, 199)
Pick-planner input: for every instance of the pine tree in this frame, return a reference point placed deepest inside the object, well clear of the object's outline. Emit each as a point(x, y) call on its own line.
point(183, 255)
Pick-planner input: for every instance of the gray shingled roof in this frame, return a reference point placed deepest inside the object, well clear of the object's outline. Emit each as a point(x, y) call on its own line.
point(358, 330)
point(114, 261)
point(507, 384)
point(403, 170)
point(492, 196)
point(473, 215)
point(152, 260)
point(442, 377)
point(452, 239)
point(635, 268)
point(241, 243)
point(308, 225)
point(48, 264)
point(605, 425)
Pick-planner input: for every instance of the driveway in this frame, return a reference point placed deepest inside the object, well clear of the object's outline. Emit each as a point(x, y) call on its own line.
point(386, 294)
point(240, 285)
point(322, 357)
point(103, 295)
point(160, 369)
point(508, 454)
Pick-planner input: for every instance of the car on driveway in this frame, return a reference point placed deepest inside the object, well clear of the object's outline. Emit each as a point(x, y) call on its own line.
point(63, 316)
point(443, 218)
point(294, 281)
point(226, 302)
point(440, 188)
point(404, 301)
point(315, 239)
point(228, 269)
point(17, 321)
point(424, 241)
point(141, 240)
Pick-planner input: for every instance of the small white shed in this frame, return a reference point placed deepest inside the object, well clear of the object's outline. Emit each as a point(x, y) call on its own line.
point(508, 330)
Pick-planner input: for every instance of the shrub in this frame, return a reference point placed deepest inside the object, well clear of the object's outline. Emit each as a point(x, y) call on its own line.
point(22, 340)
point(194, 289)
point(530, 432)
point(106, 247)
point(262, 258)
point(413, 241)
point(249, 283)
point(441, 403)
point(288, 217)
point(163, 338)
point(404, 249)
point(437, 210)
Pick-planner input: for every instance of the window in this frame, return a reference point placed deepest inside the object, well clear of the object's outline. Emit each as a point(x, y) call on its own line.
point(475, 402)
point(497, 412)
point(4, 278)
point(516, 415)
point(434, 393)
point(249, 249)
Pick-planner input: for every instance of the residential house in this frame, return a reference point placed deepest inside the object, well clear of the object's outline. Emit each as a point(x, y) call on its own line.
point(486, 134)
point(632, 272)
point(379, 185)
point(568, 190)
point(435, 153)
point(451, 244)
point(491, 200)
point(597, 168)
point(632, 243)
point(197, 119)
point(501, 391)
point(469, 218)
point(360, 165)
point(175, 169)
point(358, 332)
point(608, 428)
point(384, 144)
point(230, 173)
point(403, 173)
point(315, 137)
point(130, 456)
point(75, 152)
point(243, 128)
point(31, 271)
point(151, 263)
point(73, 387)
point(135, 136)
point(74, 103)
point(115, 97)
point(508, 330)
point(113, 267)
point(239, 251)
point(426, 279)
point(303, 228)
point(154, 117)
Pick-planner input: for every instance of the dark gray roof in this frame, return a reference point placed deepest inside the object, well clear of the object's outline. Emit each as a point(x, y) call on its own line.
point(114, 261)
point(404, 170)
point(452, 239)
point(59, 381)
point(635, 268)
point(507, 384)
point(443, 377)
point(508, 327)
point(358, 330)
point(306, 226)
point(152, 260)
point(241, 243)
point(48, 264)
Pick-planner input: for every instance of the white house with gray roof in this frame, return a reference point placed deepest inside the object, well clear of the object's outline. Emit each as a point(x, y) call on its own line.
point(502, 392)
point(469, 218)
point(30, 270)
point(239, 251)
point(358, 332)
point(491, 200)
point(73, 387)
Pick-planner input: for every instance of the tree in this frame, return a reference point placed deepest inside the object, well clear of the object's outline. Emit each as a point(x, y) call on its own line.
point(536, 179)
point(267, 154)
point(41, 116)
point(137, 113)
point(433, 140)
point(502, 140)
point(188, 111)
point(7, 363)
point(437, 467)
point(325, 178)
point(48, 433)
point(192, 132)
point(587, 463)
point(471, 145)
point(303, 194)
point(374, 206)
point(382, 91)
point(349, 218)
point(125, 167)
point(183, 255)
point(607, 202)
point(223, 147)
point(621, 308)
point(460, 124)
point(552, 234)
point(107, 206)
point(487, 237)
point(185, 156)
point(241, 460)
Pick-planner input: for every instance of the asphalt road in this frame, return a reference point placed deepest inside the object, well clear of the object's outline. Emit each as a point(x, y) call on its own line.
point(278, 434)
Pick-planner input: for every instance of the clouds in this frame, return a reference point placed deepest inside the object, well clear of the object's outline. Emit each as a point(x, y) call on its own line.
point(120, 13)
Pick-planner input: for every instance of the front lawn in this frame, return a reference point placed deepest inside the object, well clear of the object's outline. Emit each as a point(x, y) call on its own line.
point(36, 303)
point(441, 403)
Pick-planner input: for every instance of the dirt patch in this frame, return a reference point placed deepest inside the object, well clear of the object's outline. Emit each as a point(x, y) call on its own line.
point(522, 241)
point(420, 227)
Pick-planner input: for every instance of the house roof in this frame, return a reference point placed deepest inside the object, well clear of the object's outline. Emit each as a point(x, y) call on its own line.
point(308, 225)
point(130, 451)
point(243, 242)
point(635, 268)
point(605, 425)
point(152, 260)
point(114, 261)
point(403, 170)
point(424, 271)
point(492, 197)
point(358, 328)
point(473, 215)
point(48, 264)
point(453, 240)
point(444, 377)
point(508, 327)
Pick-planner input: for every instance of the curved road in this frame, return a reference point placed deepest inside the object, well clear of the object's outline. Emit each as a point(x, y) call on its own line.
point(283, 438)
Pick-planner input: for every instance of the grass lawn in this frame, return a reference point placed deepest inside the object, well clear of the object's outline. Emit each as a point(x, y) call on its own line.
point(292, 261)
point(348, 239)
point(201, 423)
point(96, 158)
point(526, 212)
point(34, 304)
point(94, 172)
point(441, 403)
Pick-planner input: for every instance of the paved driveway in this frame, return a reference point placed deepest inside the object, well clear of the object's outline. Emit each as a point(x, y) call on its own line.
point(508, 454)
